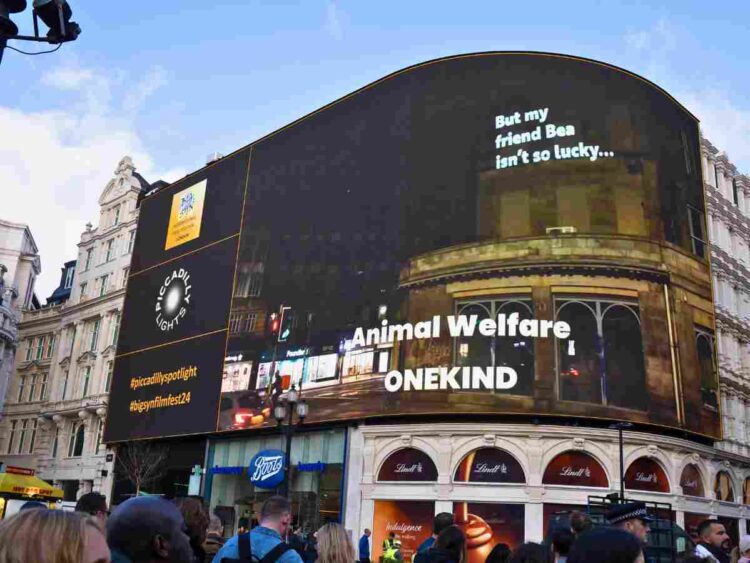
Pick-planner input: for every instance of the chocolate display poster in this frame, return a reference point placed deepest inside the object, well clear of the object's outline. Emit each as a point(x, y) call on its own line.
point(486, 525)
point(411, 521)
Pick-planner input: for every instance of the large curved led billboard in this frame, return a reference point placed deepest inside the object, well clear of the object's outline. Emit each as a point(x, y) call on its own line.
point(492, 234)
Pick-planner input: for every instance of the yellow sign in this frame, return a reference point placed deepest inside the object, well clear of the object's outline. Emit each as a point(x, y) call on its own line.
point(187, 213)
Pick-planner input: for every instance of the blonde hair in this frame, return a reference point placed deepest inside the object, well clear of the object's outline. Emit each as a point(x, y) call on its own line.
point(44, 536)
point(335, 545)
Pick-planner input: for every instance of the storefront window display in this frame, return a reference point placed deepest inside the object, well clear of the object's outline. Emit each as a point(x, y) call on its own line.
point(691, 482)
point(408, 464)
point(487, 525)
point(577, 469)
point(489, 465)
point(723, 487)
point(411, 521)
point(316, 479)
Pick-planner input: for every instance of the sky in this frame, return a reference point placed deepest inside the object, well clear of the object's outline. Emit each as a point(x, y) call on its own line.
point(171, 82)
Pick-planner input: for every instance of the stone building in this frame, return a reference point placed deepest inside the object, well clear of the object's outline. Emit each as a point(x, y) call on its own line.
point(728, 206)
point(66, 353)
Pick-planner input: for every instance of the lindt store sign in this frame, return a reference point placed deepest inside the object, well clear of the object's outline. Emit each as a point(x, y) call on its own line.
point(408, 464)
point(575, 468)
point(644, 474)
point(489, 465)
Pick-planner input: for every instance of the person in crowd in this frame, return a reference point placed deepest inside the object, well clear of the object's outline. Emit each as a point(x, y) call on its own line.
point(214, 538)
point(449, 547)
point(196, 519)
point(94, 504)
point(311, 549)
point(243, 525)
point(52, 536)
point(742, 551)
point(562, 540)
point(297, 542)
point(531, 553)
point(334, 545)
point(265, 539)
point(364, 547)
point(389, 541)
point(606, 545)
point(580, 522)
point(500, 554)
point(714, 544)
point(439, 523)
point(32, 504)
point(148, 529)
point(631, 517)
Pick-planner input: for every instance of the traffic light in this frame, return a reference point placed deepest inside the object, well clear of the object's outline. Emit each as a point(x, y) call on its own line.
point(56, 16)
point(273, 323)
point(287, 319)
point(7, 7)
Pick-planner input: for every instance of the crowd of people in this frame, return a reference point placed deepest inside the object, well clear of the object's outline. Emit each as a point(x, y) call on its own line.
point(152, 529)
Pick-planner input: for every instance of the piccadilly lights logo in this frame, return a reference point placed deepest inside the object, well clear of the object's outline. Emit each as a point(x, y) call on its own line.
point(173, 300)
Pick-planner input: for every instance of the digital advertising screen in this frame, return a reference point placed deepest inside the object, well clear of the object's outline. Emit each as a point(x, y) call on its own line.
point(492, 234)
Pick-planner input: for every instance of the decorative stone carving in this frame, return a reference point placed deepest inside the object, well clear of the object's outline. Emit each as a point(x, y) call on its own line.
point(695, 457)
point(406, 439)
point(101, 412)
point(653, 450)
point(579, 443)
point(83, 414)
point(489, 439)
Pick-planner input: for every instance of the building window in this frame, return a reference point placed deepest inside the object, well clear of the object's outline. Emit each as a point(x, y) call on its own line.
point(131, 241)
point(125, 273)
point(103, 284)
point(69, 278)
point(89, 257)
point(99, 432)
point(11, 436)
point(72, 333)
point(697, 231)
point(250, 320)
point(86, 381)
point(108, 380)
point(55, 441)
point(250, 284)
point(43, 388)
point(83, 291)
point(75, 444)
point(704, 342)
point(40, 347)
point(116, 318)
point(116, 220)
point(22, 441)
point(602, 361)
point(235, 320)
point(32, 440)
point(29, 349)
point(735, 195)
point(21, 385)
point(50, 346)
point(516, 352)
point(110, 250)
point(94, 335)
point(32, 388)
point(65, 385)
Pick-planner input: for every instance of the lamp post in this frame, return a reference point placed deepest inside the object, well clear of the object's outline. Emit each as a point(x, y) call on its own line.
point(620, 426)
point(285, 410)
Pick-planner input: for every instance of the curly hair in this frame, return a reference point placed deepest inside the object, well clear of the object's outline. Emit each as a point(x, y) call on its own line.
point(196, 518)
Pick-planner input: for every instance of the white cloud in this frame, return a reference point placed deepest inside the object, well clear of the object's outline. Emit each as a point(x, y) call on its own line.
point(333, 25)
point(55, 163)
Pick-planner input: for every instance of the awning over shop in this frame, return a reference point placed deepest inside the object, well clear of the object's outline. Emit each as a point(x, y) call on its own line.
point(27, 485)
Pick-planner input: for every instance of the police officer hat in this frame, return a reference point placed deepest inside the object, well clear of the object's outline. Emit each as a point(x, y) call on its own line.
point(622, 512)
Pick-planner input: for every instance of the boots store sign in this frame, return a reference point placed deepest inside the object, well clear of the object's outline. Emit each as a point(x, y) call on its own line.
point(266, 469)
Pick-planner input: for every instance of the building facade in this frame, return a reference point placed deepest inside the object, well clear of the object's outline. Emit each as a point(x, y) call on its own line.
point(471, 268)
point(728, 204)
point(19, 267)
point(54, 420)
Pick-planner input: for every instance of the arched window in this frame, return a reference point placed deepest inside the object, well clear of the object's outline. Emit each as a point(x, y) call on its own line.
point(516, 352)
point(408, 464)
point(602, 361)
point(691, 482)
point(489, 465)
point(575, 468)
point(645, 474)
point(723, 487)
point(704, 343)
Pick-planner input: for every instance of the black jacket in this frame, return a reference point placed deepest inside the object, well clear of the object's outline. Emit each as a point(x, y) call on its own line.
point(721, 555)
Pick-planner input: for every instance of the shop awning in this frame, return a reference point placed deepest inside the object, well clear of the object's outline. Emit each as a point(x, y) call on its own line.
point(27, 485)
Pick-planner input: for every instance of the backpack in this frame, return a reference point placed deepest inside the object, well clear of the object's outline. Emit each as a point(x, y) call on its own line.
point(246, 552)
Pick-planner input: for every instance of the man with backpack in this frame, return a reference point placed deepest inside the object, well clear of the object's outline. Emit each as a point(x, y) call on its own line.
point(440, 523)
point(264, 543)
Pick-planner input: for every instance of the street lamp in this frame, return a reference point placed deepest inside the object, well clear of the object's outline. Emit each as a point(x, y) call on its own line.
point(620, 426)
point(285, 410)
